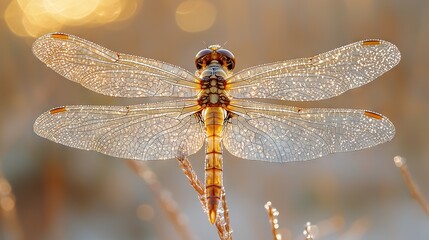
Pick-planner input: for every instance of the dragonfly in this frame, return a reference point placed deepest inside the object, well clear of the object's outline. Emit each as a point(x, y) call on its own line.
point(215, 107)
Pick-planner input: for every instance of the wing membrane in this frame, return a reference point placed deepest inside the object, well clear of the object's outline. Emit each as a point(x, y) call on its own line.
point(323, 76)
point(110, 73)
point(277, 133)
point(145, 132)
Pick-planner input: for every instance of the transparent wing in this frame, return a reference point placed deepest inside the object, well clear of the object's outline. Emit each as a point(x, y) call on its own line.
point(145, 132)
point(323, 76)
point(111, 73)
point(277, 133)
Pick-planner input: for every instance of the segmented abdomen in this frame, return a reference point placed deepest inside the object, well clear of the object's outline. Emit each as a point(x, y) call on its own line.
point(214, 119)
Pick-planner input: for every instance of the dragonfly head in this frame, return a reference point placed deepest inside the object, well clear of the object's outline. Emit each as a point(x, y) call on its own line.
point(215, 52)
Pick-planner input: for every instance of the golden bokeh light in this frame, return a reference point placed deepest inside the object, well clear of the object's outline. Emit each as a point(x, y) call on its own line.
point(5, 187)
point(71, 9)
point(36, 17)
point(7, 203)
point(195, 15)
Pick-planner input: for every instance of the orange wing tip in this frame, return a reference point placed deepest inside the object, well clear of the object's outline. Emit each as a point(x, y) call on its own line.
point(60, 36)
point(58, 110)
point(212, 216)
point(373, 115)
point(371, 42)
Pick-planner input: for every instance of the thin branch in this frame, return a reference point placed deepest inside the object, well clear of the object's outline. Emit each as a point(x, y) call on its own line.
point(414, 190)
point(166, 202)
point(188, 170)
point(226, 211)
point(310, 231)
point(272, 216)
point(222, 220)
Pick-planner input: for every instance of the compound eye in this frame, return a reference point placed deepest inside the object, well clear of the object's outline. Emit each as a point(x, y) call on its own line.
point(199, 58)
point(227, 57)
point(226, 53)
point(203, 53)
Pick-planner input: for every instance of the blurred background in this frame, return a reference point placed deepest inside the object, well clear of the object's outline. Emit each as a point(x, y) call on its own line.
point(49, 191)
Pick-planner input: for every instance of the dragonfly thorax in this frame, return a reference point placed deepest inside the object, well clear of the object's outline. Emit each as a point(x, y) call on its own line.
point(213, 83)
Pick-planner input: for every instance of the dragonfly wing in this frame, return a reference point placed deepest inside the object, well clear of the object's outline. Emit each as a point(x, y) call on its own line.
point(145, 132)
point(323, 76)
point(111, 73)
point(277, 133)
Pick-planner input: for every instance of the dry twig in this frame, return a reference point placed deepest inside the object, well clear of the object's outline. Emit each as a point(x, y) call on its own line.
point(272, 215)
point(411, 185)
point(222, 220)
point(310, 231)
point(166, 202)
point(226, 212)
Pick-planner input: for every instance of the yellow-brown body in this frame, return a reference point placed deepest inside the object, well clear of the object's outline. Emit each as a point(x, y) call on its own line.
point(214, 119)
point(214, 65)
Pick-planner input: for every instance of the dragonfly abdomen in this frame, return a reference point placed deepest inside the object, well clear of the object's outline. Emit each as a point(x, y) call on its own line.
point(214, 119)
